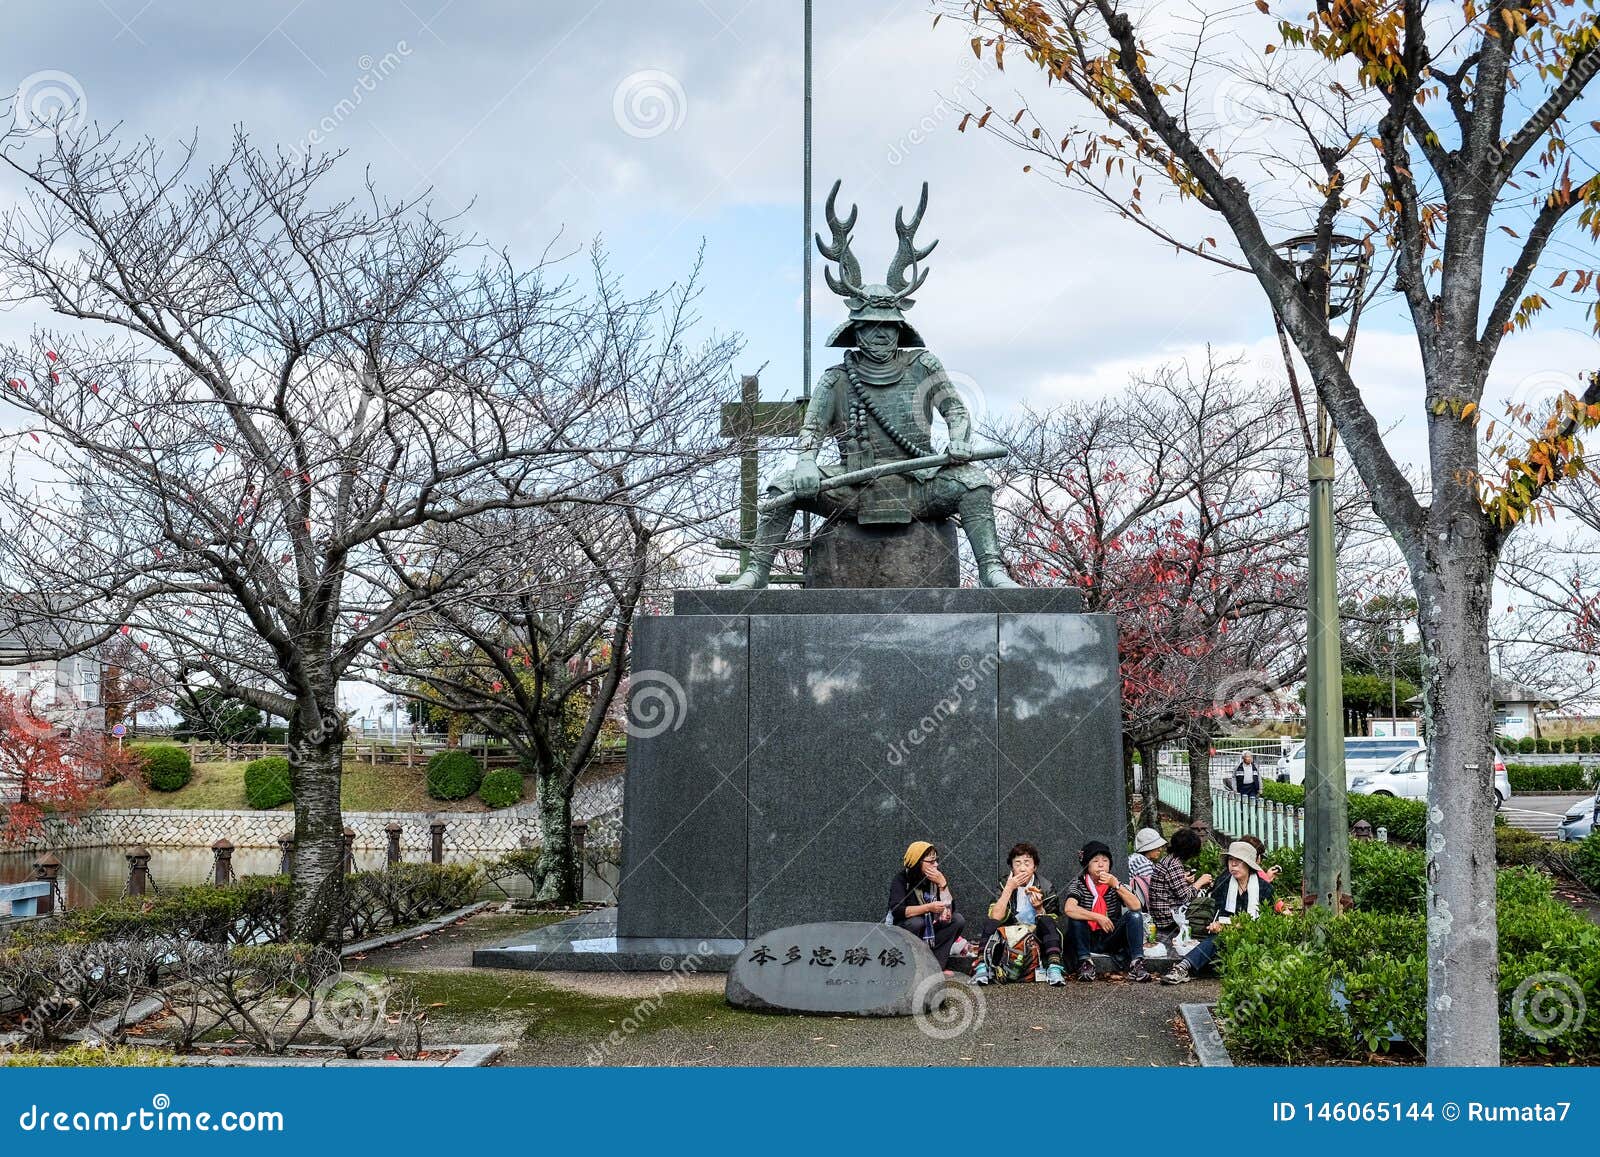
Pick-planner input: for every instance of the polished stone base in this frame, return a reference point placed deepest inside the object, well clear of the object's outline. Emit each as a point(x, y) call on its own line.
point(785, 746)
point(848, 555)
point(589, 943)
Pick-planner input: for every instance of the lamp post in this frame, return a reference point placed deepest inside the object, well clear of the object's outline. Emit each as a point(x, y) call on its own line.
point(1333, 268)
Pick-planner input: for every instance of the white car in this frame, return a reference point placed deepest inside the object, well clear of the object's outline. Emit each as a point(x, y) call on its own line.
point(1407, 778)
point(1362, 753)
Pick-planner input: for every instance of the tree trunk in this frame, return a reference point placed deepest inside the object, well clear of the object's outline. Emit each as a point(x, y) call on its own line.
point(558, 872)
point(1463, 964)
point(1200, 777)
point(316, 887)
point(1150, 761)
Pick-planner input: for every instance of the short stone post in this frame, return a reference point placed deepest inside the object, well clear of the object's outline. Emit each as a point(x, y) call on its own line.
point(138, 870)
point(285, 853)
point(392, 830)
point(47, 867)
point(349, 850)
point(222, 857)
point(436, 842)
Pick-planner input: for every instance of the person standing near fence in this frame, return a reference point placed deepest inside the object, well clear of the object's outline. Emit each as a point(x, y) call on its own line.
point(1247, 776)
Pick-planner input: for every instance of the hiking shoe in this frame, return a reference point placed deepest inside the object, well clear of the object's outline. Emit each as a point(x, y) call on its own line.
point(1180, 974)
point(1086, 971)
point(981, 975)
point(1138, 973)
point(1054, 975)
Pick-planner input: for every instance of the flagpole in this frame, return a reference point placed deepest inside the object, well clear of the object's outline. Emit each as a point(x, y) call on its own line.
point(805, 250)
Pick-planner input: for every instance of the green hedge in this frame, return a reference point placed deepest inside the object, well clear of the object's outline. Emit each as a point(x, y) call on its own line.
point(1281, 975)
point(266, 782)
point(453, 775)
point(1585, 860)
point(1406, 819)
point(166, 768)
point(501, 788)
point(1548, 776)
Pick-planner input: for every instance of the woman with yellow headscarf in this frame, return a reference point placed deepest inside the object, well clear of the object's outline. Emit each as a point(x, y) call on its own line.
point(920, 901)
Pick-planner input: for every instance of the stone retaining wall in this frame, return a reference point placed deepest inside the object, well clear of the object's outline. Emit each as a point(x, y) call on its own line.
point(499, 831)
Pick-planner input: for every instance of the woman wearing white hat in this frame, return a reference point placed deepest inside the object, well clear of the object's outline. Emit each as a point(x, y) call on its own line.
point(1241, 892)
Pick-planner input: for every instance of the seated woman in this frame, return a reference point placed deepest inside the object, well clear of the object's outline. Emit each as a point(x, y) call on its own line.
point(1027, 902)
point(920, 901)
point(1104, 915)
point(1242, 891)
point(1171, 888)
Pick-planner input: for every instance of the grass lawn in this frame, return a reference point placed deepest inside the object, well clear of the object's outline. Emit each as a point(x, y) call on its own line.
point(367, 788)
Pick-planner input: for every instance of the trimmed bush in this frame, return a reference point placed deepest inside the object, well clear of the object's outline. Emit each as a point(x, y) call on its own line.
point(1586, 861)
point(1541, 746)
point(1584, 745)
point(1526, 745)
point(266, 782)
point(501, 788)
point(1320, 986)
point(1406, 819)
point(453, 775)
point(1547, 776)
point(166, 768)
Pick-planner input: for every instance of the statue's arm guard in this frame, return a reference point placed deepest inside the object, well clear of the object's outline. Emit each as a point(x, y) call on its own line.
point(819, 413)
point(948, 401)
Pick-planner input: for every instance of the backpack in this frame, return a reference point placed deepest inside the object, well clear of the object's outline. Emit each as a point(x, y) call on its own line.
point(1012, 953)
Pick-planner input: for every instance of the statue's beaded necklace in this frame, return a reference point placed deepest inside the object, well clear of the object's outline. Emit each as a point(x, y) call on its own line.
point(862, 406)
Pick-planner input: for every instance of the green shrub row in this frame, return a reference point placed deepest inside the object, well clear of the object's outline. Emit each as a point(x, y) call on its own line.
point(1549, 777)
point(255, 909)
point(1406, 819)
point(267, 782)
point(166, 768)
point(1319, 986)
point(1564, 745)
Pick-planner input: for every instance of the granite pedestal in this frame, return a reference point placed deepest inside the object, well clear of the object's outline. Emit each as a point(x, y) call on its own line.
point(846, 554)
point(786, 746)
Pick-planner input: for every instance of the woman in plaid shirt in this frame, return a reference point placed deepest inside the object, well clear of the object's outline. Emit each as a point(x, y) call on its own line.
point(1170, 885)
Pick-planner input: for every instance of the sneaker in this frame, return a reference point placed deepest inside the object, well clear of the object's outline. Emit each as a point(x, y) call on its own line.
point(981, 975)
point(1054, 975)
point(1180, 974)
point(1138, 973)
point(1086, 971)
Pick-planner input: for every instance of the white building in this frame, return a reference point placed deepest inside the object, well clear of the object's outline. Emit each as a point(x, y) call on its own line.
point(65, 691)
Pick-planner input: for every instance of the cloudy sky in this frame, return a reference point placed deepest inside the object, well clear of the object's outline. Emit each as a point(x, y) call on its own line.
point(660, 126)
point(666, 125)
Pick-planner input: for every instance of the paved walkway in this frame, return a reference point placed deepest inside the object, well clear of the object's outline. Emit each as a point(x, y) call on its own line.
point(670, 1019)
point(1541, 814)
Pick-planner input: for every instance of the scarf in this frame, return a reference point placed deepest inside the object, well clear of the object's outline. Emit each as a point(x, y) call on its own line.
point(1252, 897)
point(1098, 891)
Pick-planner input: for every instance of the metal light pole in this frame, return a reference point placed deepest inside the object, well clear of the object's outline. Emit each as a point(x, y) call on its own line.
point(1335, 269)
point(1391, 634)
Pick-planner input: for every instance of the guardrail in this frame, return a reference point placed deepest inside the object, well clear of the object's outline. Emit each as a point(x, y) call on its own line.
point(1276, 825)
point(26, 901)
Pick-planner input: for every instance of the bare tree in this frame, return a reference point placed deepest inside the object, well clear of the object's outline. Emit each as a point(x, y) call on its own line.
point(535, 646)
point(1430, 133)
point(1178, 505)
point(259, 402)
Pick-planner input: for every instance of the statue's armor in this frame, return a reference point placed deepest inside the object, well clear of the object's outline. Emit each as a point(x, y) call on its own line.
point(883, 413)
